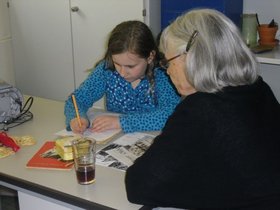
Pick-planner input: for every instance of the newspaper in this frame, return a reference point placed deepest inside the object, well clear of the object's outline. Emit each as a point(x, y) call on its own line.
point(121, 153)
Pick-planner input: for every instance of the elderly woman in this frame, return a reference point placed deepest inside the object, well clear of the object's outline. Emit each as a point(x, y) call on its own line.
point(220, 149)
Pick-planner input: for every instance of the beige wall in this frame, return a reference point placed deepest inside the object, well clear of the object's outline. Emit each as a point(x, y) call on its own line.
point(6, 67)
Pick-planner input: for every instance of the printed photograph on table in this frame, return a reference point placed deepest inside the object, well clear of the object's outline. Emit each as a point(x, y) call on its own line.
point(121, 153)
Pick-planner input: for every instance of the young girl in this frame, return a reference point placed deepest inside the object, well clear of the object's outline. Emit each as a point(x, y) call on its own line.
point(131, 82)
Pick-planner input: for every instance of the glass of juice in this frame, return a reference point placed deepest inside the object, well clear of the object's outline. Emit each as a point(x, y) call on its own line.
point(84, 159)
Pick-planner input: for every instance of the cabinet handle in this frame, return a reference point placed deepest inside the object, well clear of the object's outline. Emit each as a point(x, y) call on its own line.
point(75, 9)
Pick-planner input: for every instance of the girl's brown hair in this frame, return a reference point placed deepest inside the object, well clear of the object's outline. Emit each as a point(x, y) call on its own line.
point(134, 37)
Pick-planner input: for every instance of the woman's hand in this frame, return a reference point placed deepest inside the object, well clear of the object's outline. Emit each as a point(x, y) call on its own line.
point(75, 126)
point(105, 122)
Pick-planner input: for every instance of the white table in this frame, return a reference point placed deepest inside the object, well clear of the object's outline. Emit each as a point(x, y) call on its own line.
point(40, 189)
point(271, 57)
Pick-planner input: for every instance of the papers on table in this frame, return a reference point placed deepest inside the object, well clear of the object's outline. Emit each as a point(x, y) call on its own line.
point(121, 153)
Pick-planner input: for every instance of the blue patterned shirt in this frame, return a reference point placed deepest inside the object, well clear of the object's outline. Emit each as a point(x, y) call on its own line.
point(139, 109)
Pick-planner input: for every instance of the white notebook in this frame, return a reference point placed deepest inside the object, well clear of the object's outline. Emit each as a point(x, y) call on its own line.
point(99, 137)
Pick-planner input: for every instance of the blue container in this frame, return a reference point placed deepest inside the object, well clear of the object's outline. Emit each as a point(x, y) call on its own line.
point(170, 9)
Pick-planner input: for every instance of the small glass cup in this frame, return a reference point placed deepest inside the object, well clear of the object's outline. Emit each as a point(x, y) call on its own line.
point(84, 159)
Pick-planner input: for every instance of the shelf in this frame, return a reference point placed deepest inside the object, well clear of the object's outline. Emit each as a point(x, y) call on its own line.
point(271, 57)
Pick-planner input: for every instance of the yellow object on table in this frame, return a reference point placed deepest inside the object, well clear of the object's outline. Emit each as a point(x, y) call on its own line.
point(63, 147)
point(6, 151)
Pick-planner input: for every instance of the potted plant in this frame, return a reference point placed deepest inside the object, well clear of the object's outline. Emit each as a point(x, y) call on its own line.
point(267, 33)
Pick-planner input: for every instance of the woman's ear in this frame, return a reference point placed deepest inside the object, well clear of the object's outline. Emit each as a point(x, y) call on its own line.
point(152, 56)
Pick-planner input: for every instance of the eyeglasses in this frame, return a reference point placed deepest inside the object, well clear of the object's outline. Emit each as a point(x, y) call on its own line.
point(164, 63)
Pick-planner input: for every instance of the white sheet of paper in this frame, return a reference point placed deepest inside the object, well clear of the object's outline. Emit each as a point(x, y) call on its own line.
point(99, 137)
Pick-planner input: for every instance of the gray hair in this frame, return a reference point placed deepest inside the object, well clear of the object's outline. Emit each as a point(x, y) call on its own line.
point(218, 57)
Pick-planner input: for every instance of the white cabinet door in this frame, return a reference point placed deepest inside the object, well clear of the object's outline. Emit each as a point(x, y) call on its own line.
point(41, 37)
point(91, 25)
point(93, 22)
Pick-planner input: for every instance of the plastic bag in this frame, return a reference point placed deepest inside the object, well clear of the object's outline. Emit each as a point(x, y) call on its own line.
point(11, 101)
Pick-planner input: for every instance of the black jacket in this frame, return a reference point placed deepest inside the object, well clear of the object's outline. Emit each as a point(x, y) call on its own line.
point(217, 150)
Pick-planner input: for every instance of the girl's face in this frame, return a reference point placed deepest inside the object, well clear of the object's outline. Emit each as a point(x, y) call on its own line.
point(176, 71)
point(131, 67)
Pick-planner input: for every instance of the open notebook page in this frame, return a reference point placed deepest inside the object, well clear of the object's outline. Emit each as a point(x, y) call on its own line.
point(100, 137)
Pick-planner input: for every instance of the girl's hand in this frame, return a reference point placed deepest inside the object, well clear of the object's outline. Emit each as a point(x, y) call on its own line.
point(105, 122)
point(75, 126)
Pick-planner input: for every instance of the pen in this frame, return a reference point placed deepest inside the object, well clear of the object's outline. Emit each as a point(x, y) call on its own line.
point(76, 109)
